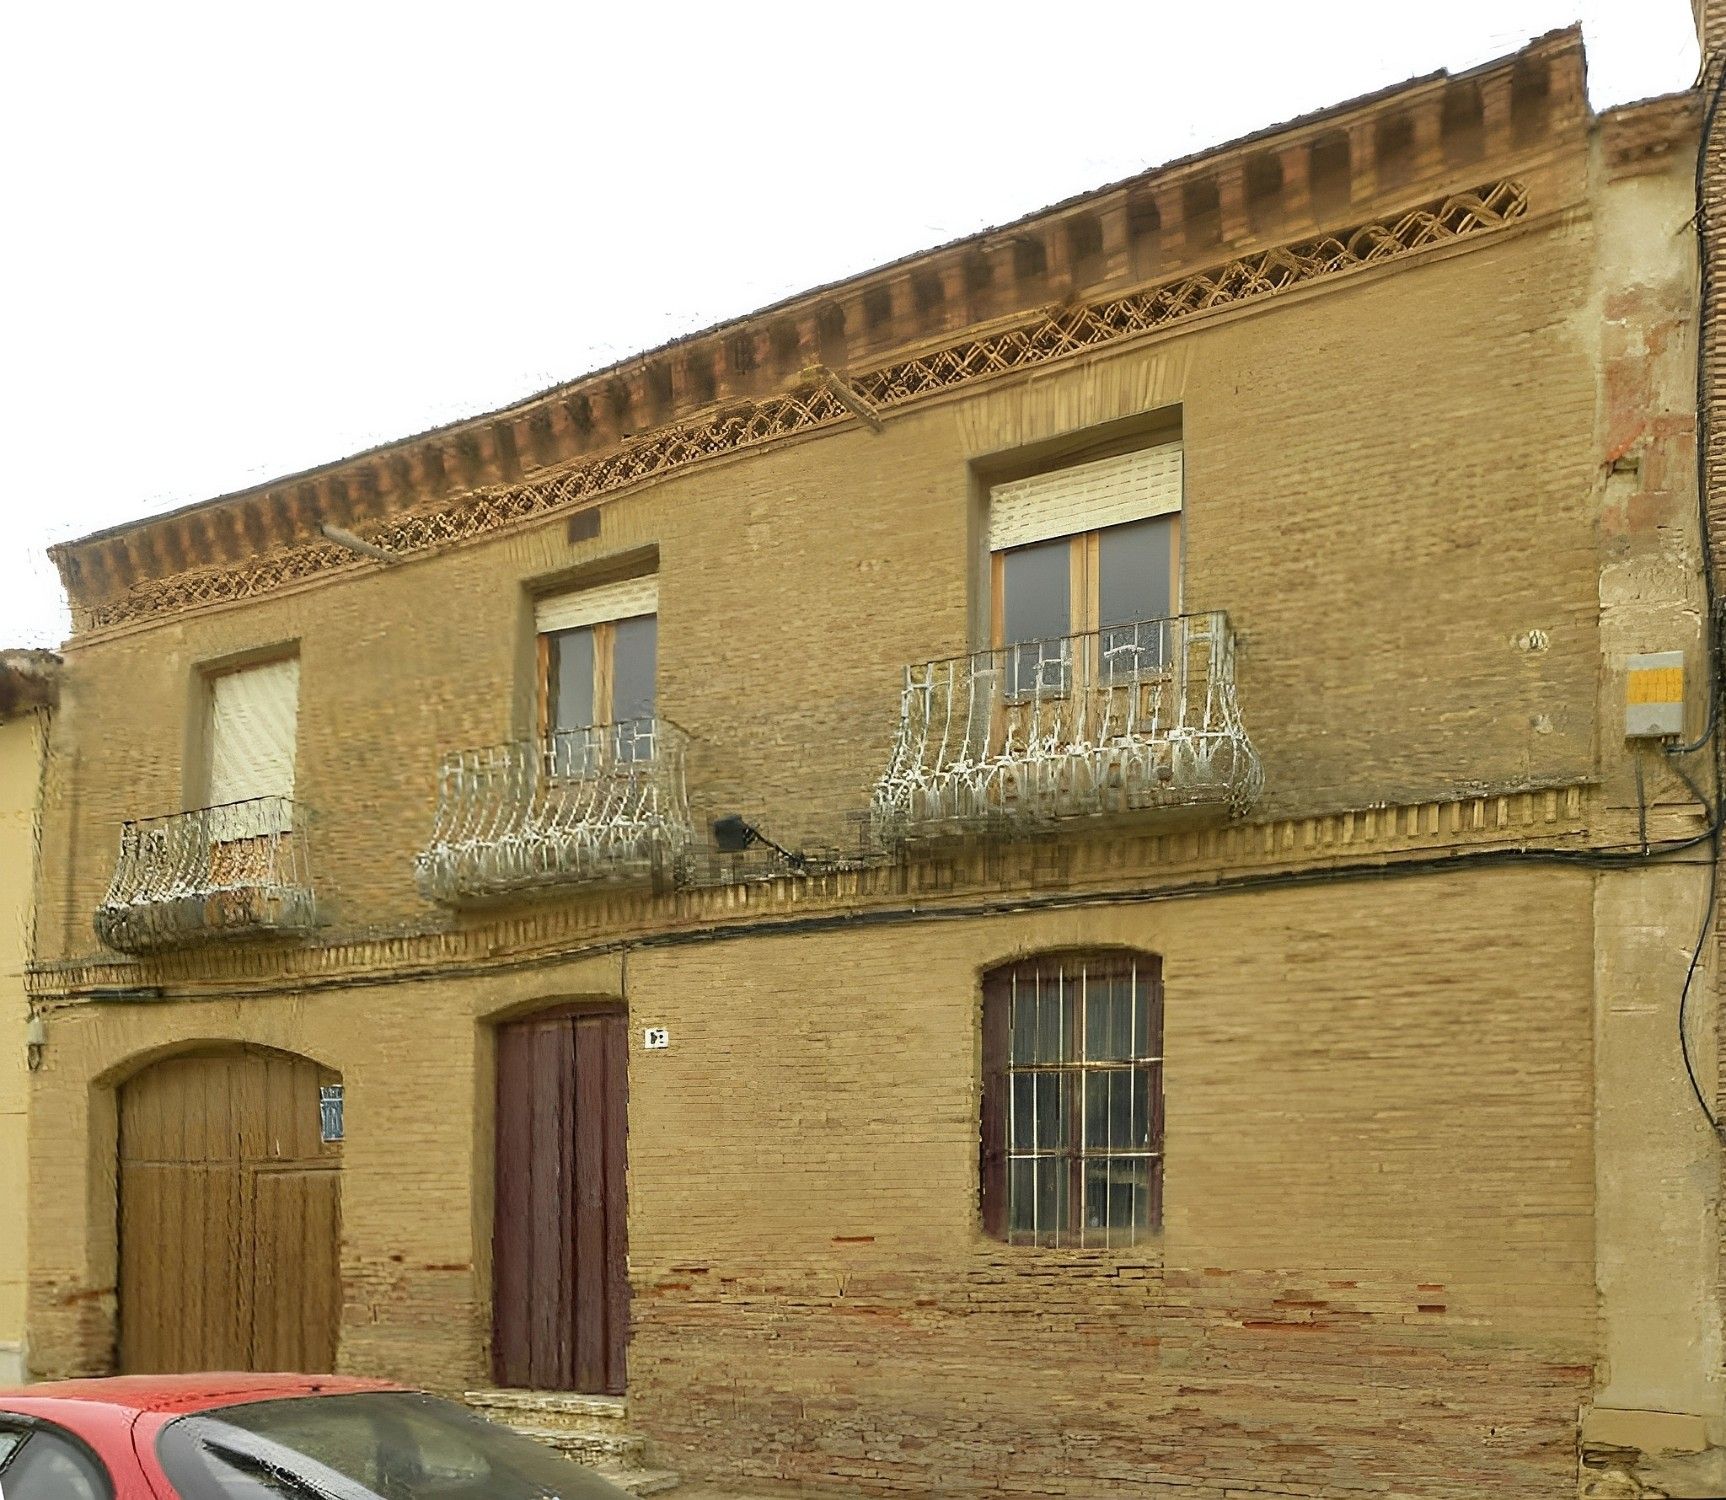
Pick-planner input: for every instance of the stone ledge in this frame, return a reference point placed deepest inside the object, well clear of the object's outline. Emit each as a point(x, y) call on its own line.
point(1106, 867)
point(1646, 1431)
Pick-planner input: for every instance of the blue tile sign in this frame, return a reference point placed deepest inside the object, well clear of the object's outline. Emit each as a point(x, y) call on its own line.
point(330, 1108)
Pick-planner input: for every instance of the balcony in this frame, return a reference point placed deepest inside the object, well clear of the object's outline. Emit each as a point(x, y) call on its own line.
point(602, 804)
point(238, 870)
point(1134, 718)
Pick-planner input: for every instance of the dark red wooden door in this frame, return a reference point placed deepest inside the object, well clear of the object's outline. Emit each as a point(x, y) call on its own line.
point(560, 1278)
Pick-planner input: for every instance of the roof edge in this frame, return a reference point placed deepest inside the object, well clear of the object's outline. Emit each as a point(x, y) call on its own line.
point(483, 449)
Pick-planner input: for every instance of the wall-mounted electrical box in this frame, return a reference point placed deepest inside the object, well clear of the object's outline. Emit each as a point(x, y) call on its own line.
point(1654, 696)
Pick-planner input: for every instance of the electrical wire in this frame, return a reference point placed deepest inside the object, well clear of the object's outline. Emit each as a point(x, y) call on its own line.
point(1684, 1003)
point(1449, 861)
point(1600, 857)
point(1704, 531)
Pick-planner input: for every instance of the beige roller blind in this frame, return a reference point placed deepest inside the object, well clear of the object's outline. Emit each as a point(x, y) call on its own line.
point(1086, 497)
point(253, 716)
point(610, 601)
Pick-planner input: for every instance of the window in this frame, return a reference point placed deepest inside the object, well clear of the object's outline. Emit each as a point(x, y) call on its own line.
point(249, 773)
point(1072, 1116)
point(398, 1445)
point(598, 665)
point(40, 1463)
point(1089, 550)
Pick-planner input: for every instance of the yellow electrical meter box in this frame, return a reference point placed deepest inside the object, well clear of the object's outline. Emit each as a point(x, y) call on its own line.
point(1654, 696)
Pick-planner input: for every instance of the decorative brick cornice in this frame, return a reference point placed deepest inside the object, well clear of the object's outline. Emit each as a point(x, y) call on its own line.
point(29, 680)
point(1650, 135)
point(1364, 164)
point(1054, 335)
point(1554, 817)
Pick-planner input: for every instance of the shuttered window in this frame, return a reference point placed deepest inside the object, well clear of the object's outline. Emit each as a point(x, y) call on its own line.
point(599, 665)
point(596, 606)
point(1086, 497)
point(254, 716)
point(1094, 547)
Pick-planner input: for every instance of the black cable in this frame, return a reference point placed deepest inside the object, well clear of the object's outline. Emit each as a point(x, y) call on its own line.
point(1704, 528)
point(1641, 798)
point(888, 916)
point(1695, 791)
point(1684, 1002)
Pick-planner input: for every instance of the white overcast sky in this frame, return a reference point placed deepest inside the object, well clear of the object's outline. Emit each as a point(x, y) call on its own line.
point(243, 239)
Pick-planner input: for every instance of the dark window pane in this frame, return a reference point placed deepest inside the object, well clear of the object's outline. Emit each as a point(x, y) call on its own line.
point(1040, 1192)
point(1022, 1128)
point(1135, 595)
point(1035, 584)
point(1115, 1018)
point(1023, 1001)
point(1116, 1118)
point(1038, 668)
point(572, 678)
point(1021, 1195)
point(1133, 580)
point(633, 668)
point(1117, 1198)
point(1036, 607)
point(1053, 1019)
point(1053, 1093)
point(1054, 1193)
point(1042, 1110)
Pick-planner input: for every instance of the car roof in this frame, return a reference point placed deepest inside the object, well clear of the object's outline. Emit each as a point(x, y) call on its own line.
point(187, 1393)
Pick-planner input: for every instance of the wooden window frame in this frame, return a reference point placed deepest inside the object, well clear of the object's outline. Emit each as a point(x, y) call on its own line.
point(1084, 581)
point(998, 1073)
point(604, 639)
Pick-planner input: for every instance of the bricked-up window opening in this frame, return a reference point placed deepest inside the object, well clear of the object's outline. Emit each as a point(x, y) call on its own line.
point(1072, 1116)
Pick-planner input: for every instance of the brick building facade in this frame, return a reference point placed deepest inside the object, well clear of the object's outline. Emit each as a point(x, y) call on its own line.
point(1338, 475)
point(27, 686)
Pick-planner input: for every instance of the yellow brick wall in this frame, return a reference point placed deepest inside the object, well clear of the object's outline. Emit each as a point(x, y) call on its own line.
point(1388, 486)
point(1379, 1197)
point(20, 773)
point(1379, 1267)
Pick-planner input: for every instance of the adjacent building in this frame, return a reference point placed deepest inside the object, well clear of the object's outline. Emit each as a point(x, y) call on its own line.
point(27, 690)
point(1075, 866)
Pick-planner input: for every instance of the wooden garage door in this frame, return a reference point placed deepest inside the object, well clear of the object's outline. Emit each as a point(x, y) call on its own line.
point(560, 1262)
point(230, 1216)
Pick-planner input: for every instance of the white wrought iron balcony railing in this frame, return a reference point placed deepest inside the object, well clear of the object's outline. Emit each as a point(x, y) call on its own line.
point(605, 803)
point(1129, 718)
point(236, 870)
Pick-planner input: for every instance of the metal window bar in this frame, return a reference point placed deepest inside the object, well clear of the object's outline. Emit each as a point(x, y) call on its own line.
point(1065, 1155)
point(234, 869)
point(1129, 718)
point(603, 803)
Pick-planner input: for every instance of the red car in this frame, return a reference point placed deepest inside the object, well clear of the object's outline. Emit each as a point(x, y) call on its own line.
point(267, 1437)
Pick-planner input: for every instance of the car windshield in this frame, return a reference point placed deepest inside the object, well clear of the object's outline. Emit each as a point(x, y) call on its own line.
point(380, 1445)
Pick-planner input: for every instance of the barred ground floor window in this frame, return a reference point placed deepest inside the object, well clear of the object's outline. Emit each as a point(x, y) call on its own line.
point(1072, 1111)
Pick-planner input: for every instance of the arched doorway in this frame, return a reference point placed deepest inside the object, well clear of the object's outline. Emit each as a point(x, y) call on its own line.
point(230, 1214)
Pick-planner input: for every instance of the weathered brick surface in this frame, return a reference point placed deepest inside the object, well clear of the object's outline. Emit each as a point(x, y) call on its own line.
point(1368, 473)
point(1378, 1274)
point(1378, 1258)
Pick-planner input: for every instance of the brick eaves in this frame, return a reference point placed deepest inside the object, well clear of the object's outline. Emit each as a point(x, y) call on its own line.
point(397, 477)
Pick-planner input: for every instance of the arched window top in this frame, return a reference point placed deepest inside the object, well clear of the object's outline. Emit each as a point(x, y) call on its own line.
point(1071, 1139)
